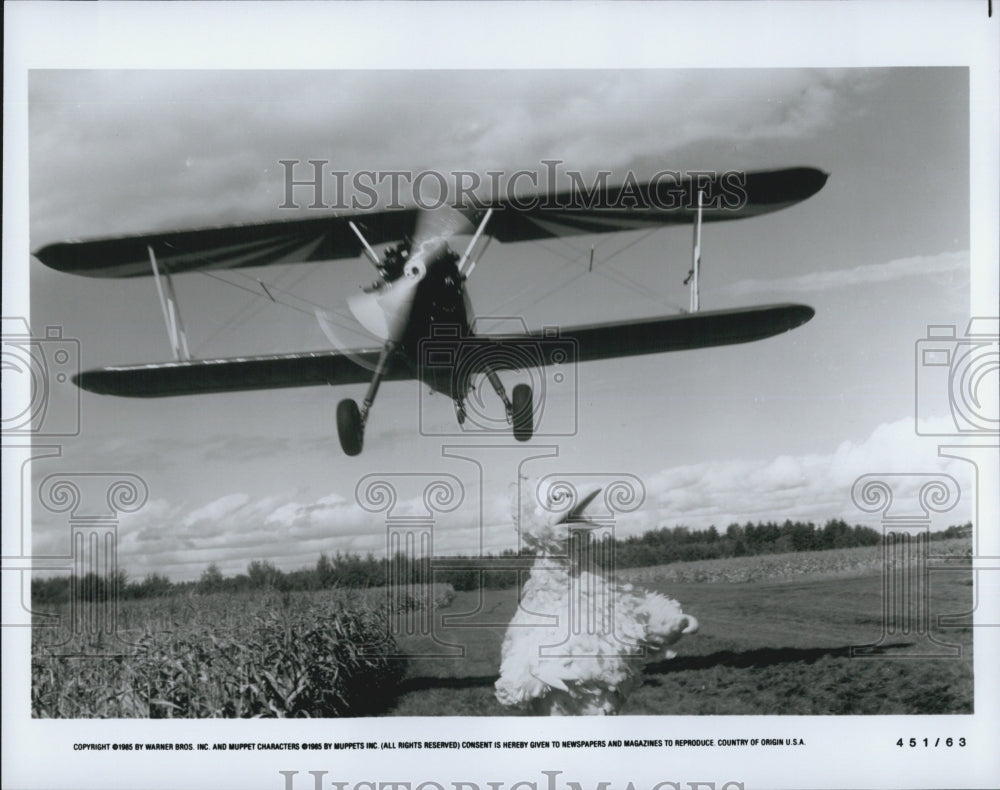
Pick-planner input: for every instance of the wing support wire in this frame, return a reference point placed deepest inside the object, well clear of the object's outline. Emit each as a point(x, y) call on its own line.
point(462, 270)
point(171, 311)
point(692, 278)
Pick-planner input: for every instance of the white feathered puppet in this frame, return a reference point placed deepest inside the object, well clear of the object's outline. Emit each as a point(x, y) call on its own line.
point(577, 643)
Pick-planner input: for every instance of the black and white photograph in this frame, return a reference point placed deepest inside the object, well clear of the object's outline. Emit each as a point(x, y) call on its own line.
point(373, 389)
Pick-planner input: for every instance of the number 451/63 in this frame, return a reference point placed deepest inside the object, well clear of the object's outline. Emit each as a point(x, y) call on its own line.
point(914, 742)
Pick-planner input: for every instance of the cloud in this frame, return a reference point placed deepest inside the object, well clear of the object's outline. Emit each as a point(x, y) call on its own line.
point(875, 273)
point(216, 510)
point(235, 529)
point(117, 152)
point(181, 540)
point(814, 487)
point(154, 510)
point(324, 512)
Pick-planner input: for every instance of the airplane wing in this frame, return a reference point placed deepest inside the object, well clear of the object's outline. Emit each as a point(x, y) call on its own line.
point(664, 201)
point(310, 240)
point(589, 342)
point(684, 332)
point(202, 376)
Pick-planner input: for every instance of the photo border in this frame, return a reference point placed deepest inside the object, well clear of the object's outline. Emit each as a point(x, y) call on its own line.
point(841, 751)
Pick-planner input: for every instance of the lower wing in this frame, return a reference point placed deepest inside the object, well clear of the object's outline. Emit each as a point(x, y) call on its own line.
point(684, 332)
point(200, 376)
point(580, 343)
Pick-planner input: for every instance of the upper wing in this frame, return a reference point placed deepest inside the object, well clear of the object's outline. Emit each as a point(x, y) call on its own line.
point(663, 201)
point(231, 246)
point(581, 343)
point(667, 200)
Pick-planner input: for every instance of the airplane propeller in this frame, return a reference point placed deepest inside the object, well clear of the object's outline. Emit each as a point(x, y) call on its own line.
point(328, 323)
point(434, 229)
point(385, 311)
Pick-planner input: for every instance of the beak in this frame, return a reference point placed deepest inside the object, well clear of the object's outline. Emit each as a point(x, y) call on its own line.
point(575, 516)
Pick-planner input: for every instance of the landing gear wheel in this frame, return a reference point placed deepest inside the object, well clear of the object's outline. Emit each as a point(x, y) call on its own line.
point(522, 412)
point(350, 428)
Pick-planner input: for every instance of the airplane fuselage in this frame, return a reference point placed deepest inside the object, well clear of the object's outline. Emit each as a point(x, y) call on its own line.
point(440, 320)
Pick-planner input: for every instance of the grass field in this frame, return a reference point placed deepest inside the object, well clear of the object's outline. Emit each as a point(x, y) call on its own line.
point(779, 645)
point(763, 648)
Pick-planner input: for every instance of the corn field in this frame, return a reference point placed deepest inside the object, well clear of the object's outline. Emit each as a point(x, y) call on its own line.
point(320, 654)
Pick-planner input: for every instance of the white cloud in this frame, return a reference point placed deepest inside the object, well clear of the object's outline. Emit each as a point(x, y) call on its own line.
point(916, 266)
point(326, 509)
point(234, 529)
point(154, 509)
point(116, 152)
point(813, 487)
point(181, 539)
point(217, 509)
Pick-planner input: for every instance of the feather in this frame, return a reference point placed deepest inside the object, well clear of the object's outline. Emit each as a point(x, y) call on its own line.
point(587, 657)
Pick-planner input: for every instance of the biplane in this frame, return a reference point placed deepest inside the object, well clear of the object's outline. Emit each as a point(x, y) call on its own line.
point(421, 291)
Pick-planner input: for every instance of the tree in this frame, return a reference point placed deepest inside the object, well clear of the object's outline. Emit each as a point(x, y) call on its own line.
point(153, 586)
point(326, 573)
point(211, 579)
point(53, 590)
point(264, 575)
point(117, 582)
point(836, 534)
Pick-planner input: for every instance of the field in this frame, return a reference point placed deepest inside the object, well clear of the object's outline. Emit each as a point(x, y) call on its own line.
point(779, 644)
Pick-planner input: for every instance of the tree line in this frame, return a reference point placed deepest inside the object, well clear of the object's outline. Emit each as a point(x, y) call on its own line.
point(655, 547)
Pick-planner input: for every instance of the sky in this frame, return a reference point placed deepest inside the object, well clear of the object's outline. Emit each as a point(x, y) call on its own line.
point(776, 429)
